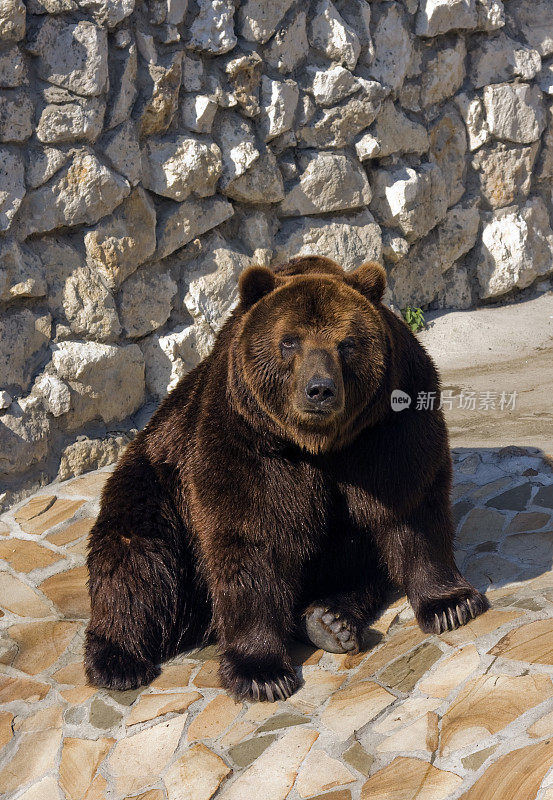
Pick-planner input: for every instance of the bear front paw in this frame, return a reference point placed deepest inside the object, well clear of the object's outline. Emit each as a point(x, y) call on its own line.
point(108, 666)
point(258, 680)
point(452, 611)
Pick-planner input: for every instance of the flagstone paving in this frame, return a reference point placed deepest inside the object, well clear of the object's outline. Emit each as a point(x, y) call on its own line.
point(467, 715)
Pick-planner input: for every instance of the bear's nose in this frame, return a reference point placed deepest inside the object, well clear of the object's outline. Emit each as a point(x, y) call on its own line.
point(320, 390)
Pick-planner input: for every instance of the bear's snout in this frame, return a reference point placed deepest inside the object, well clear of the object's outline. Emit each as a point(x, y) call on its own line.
point(321, 392)
point(319, 383)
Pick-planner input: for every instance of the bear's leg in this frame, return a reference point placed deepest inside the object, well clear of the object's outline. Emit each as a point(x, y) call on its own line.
point(419, 556)
point(330, 626)
point(252, 600)
point(345, 589)
point(337, 623)
point(146, 601)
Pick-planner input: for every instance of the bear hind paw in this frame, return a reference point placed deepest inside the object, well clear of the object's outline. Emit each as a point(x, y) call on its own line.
point(331, 630)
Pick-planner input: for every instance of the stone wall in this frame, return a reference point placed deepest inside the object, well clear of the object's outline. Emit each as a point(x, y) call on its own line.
point(150, 151)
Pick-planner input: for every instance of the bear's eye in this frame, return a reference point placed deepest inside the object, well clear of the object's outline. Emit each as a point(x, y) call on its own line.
point(289, 344)
point(347, 344)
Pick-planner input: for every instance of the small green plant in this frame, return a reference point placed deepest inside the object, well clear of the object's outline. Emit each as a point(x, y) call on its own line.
point(414, 318)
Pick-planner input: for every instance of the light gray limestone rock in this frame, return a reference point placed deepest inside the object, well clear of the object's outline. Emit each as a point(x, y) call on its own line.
point(328, 182)
point(81, 192)
point(517, 248)
point(178, 166)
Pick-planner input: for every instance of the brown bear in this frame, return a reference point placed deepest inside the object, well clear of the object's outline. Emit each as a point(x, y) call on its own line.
point(275, 489)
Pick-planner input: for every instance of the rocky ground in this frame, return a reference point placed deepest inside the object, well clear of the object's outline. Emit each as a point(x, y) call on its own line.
point(150, 150)
point(468, 714)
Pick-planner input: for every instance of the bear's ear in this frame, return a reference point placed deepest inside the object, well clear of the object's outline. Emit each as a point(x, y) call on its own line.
point(369, 279)
point(254, 283)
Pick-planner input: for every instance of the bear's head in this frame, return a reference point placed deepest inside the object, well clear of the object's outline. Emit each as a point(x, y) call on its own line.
point(311, 347)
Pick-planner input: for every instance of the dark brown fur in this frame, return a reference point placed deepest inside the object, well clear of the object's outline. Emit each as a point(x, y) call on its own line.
point(237, 511)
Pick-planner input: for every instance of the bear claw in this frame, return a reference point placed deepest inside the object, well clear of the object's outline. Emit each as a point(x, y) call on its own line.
point(331, 630)
point(450, 613)
point(248, 679)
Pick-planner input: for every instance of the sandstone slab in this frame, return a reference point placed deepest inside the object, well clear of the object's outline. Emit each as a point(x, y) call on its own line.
point(273, 773)
point(198, 773)
point(451, 672)
point(21, 599)
point(487, 704)
point(214, 718)
point(150, 706)
point(516, 774)
point(421, 735)
point(137, 760)
point(530, 642)
point(351, 708)
point(316, 689)
point(41, 643)
point(25, 556)
point(321, 772)
point(80, 758)
point(69, 593)
point(410, 779)
point(34, 757)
